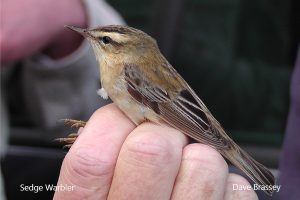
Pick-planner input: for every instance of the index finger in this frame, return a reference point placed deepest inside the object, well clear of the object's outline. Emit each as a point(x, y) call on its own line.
point(90, 163)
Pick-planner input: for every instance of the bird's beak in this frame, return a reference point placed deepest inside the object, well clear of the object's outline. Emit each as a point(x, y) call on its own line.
point(81, 31)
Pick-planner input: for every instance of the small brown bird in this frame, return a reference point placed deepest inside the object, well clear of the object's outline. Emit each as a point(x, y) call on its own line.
point(144, 85)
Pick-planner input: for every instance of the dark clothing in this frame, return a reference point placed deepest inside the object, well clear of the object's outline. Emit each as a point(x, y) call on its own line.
point(290, 158)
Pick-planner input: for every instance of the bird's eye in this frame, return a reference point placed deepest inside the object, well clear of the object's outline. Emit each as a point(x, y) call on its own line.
point(106, 40)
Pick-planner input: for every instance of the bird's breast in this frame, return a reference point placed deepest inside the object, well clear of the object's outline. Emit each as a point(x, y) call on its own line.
point(133, 109)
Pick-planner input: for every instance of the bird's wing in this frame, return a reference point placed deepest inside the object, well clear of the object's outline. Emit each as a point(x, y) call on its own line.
point(181, 109)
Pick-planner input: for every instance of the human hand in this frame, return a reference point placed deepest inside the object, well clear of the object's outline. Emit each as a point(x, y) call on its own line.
point(30, 26)
point(113, 159)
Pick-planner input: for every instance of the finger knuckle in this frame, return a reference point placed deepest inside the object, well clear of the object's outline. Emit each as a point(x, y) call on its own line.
point(149, 148)
point(200, 155)
point(84, 163)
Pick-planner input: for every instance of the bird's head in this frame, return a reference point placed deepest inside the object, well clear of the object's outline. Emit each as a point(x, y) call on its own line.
point(118, 42)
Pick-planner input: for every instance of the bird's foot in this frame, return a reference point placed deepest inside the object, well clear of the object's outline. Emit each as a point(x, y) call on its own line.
point(74, 123)
point(71, 138)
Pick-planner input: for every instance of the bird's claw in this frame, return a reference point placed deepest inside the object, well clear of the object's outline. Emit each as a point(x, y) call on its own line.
point(71, 138)
point(74, 123)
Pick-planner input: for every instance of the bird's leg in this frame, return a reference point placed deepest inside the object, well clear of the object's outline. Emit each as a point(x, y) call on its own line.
point(71, 138)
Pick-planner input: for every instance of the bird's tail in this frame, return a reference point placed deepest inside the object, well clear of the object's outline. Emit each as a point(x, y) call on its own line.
point(253, 169)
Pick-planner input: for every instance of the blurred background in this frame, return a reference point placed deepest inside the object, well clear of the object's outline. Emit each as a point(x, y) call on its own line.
point(237, 55)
